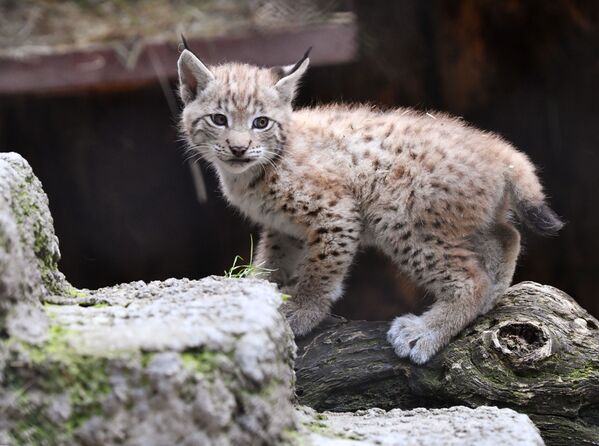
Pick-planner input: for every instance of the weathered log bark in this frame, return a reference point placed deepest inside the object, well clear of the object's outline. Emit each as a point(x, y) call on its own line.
point(537, 352)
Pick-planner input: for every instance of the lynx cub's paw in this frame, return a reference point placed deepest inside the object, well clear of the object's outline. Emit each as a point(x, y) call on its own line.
point(411, 337)
point(301, 319)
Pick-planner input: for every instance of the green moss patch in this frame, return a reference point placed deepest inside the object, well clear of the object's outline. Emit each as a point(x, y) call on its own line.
point(321, 428)
point(203, 362)
point(586, 372)
point(39, 375)
point(74, 292)
point(29, 218)
point(209, 364)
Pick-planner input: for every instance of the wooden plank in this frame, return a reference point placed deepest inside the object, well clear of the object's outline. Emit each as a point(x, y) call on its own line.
point(105, 68)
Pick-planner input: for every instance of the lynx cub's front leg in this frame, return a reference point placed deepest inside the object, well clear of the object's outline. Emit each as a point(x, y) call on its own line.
point(277, 256)
point(460, 295)
point(331, 247)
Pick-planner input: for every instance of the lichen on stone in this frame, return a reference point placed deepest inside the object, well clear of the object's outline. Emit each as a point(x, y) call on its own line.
point(49, 374)
point(29, 251)
point(180, 347)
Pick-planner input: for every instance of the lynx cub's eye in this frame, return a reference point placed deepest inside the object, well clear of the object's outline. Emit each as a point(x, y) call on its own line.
point(219, 119)
point(261, 122)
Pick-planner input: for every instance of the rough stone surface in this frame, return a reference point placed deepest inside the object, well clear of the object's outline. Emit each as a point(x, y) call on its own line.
point(174, 362)
point(459, 426)
point(28, 250)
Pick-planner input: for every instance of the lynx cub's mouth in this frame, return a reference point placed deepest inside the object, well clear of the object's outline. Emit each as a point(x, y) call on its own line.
point(239, 161)
point(237, 166)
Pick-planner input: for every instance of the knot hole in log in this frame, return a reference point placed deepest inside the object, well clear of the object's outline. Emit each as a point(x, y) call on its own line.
point(522, 344)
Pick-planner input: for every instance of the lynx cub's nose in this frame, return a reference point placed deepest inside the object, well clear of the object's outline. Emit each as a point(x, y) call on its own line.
point(238, 150)
point(238, 142)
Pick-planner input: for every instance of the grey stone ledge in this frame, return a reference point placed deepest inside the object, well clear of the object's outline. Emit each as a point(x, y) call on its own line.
point(455, 426)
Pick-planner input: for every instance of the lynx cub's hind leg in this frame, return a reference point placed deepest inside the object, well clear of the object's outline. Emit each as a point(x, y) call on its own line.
point(499, 249)
point(277, 256)
point(460, 289)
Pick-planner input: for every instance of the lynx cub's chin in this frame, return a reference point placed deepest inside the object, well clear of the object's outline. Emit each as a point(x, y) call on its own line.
point(435, 195)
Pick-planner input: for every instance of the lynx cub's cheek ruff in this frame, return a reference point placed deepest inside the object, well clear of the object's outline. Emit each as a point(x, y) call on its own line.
point(434, 194)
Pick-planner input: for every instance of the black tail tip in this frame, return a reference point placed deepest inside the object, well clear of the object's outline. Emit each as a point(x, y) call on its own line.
point(542, 220)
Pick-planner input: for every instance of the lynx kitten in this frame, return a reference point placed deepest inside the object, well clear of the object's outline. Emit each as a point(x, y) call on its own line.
point(432, 193)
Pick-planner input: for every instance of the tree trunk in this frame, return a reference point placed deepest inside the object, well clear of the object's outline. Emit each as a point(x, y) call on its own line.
point(537, 352)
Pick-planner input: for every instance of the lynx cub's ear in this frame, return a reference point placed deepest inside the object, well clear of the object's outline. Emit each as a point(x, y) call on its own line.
point(290, 76)
point(193, 76)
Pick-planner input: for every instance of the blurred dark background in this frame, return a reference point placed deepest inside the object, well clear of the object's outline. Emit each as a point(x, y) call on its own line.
point(124, 201)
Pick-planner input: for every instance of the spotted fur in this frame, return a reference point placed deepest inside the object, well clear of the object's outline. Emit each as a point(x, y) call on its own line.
point(431, 192)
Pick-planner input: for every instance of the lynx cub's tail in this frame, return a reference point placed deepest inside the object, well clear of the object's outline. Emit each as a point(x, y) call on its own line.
point(529, 199)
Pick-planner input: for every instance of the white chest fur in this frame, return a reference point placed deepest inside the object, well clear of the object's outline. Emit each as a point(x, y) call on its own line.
point(257, 208)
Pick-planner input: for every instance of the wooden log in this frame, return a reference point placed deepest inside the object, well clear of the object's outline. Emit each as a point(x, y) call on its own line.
point(537, 352)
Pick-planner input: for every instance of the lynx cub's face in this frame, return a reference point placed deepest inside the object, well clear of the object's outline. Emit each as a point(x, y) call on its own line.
point(234, 114)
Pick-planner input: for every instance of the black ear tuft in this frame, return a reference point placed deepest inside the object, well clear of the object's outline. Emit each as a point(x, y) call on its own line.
point(300, 62)
point(307, 53)
point(185, 45)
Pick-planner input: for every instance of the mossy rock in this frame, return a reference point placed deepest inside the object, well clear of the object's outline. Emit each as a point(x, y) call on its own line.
point(179, 361)
point(29, 251)
point(175, 362)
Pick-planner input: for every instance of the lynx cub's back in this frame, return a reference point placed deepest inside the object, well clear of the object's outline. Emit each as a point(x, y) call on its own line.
point(429, 191)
